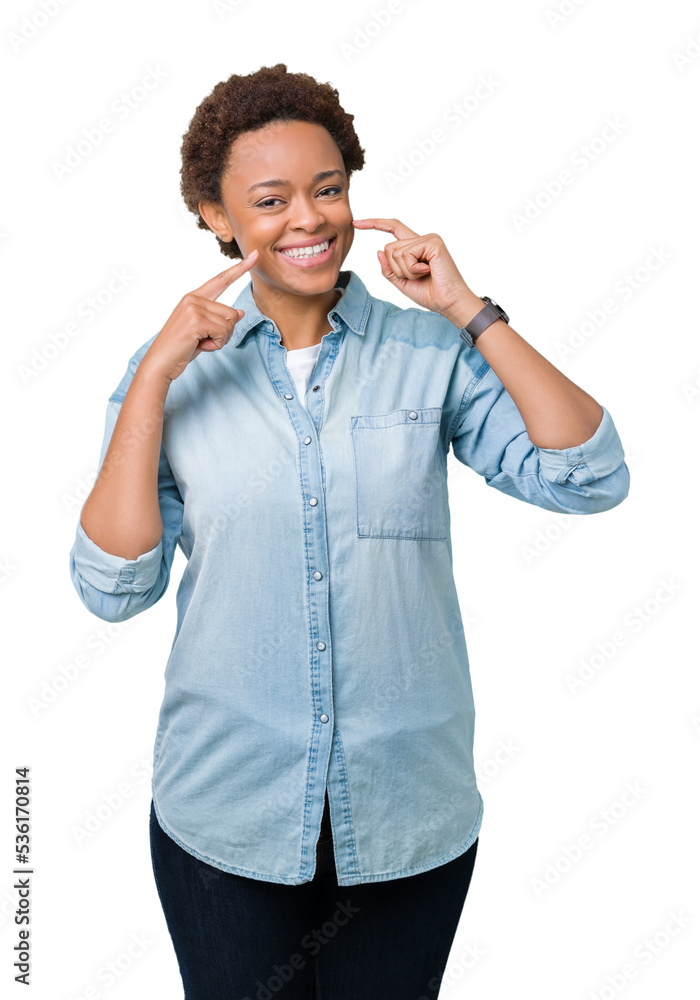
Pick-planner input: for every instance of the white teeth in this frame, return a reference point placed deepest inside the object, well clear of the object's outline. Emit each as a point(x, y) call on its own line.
point(307, 251)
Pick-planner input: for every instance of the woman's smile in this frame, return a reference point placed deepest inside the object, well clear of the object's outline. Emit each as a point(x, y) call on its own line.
point(309, 255)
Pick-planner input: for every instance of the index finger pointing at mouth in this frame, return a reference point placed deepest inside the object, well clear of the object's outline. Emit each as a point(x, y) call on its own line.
point(214, 287)
point(393, 226)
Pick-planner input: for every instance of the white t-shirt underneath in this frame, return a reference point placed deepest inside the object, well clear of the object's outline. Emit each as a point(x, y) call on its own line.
point(300, 363)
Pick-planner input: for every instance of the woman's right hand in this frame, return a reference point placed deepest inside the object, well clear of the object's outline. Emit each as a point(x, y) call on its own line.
point(197, 323)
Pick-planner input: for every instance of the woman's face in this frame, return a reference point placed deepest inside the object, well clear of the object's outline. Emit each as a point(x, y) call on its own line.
point(273, 197)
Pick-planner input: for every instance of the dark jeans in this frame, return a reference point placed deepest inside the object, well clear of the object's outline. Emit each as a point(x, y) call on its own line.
point(238, 938)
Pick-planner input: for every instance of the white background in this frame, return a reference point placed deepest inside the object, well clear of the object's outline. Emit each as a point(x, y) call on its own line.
point(540, 594)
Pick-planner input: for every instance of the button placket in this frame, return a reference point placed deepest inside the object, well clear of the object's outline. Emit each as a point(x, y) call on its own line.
point(315, 550)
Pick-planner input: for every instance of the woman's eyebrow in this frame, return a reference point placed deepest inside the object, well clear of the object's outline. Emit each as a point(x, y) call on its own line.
point(279, 183)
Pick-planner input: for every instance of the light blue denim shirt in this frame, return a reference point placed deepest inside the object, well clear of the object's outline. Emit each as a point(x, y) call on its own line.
point(319, 640)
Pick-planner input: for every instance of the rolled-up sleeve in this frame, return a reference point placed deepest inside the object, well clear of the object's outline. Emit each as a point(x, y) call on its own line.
point(489, 436)
point(114, 588)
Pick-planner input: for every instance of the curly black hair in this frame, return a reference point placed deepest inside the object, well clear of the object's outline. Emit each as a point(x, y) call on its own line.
point(244, 103)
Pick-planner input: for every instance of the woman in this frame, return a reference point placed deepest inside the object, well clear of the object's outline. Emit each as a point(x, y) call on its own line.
point(315, 815)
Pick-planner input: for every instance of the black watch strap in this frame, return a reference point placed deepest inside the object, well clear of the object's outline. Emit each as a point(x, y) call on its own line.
point(484, 318)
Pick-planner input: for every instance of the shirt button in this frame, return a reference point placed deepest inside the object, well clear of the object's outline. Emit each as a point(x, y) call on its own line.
point(413, 415)
point(320, 645)
point(288, 395)
point(307, 440)
point(324, 717)
point(313, 501)
point(318, 575)
point(316, 388)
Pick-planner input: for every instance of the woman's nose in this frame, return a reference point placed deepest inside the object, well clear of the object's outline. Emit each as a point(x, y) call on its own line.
point(305, 214)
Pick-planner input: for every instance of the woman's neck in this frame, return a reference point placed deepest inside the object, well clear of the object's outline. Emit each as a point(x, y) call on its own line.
point(301, 320)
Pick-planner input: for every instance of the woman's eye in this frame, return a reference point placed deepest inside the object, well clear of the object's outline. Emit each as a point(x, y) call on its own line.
point(334, 188)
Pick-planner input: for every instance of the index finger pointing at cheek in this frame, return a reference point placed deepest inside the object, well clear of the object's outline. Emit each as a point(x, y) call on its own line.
point(392, 226)
point(214, 287)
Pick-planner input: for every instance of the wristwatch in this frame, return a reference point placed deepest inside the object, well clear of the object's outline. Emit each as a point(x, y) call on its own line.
point(485, 317)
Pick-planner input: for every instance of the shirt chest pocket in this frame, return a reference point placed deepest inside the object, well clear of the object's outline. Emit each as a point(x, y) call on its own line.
point(400, 489)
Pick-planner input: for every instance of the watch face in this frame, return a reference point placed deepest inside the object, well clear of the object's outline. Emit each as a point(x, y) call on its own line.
point(495, 305)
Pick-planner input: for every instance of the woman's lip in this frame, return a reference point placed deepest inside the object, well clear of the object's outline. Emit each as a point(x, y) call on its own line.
point(306, 243)
point(308, 261)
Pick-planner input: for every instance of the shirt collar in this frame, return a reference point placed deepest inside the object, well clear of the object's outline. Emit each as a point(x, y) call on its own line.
point(353, 307)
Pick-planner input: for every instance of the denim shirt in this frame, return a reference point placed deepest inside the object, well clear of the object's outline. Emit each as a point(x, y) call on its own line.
point(319, 641)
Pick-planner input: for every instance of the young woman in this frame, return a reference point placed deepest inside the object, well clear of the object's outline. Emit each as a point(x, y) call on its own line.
point(315, 816)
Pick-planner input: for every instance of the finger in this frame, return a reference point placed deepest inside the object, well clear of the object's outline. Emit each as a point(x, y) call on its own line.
point(416, 266)
point(217, 326)
point(213, 288)
point(386, 267)
point(398, 262)
point(398, 229)
point(214, 340)
point(219, 310)
point(408, 255)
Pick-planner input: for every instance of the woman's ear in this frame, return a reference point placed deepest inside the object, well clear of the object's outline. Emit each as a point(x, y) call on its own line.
point(213, 215)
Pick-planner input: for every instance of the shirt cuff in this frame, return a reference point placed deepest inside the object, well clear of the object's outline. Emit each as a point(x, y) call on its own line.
point(113, 574)
point(596, 458)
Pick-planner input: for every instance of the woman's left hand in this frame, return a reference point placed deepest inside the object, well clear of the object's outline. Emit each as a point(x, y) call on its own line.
point(419, 266)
